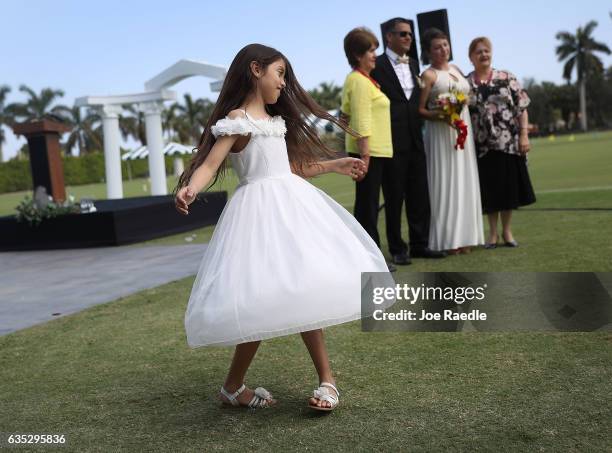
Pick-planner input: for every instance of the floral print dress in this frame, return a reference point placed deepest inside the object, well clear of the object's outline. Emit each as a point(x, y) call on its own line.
point(495, 110)
point(498, 104)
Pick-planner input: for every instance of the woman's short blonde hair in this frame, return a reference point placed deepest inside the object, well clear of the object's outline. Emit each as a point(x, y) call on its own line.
point(357, 42)
point(481, 39)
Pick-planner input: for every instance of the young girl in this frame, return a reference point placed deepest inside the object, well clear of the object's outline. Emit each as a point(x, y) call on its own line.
point(284, 257)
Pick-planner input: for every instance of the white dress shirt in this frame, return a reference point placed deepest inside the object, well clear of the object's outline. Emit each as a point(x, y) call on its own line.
point(403, 72)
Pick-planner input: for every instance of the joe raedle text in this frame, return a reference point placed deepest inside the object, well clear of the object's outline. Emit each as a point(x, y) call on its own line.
point(446, 315)
point(432, 294)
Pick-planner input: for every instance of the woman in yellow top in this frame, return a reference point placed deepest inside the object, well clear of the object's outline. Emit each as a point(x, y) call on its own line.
point(368, 112)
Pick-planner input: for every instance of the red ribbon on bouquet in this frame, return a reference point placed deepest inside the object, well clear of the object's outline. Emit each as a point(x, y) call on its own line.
point(462, 132)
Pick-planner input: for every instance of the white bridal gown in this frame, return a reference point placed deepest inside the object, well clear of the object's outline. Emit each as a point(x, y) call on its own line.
point(452, 175)
point(284, 257)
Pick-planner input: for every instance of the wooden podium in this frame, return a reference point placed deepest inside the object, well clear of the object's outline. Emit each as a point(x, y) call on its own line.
point(45, 158)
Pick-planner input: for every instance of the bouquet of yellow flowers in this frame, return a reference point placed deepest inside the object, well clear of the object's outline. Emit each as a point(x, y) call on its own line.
point(451, 104)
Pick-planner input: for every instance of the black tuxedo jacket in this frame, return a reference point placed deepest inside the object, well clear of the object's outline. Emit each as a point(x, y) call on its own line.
point(406, 123)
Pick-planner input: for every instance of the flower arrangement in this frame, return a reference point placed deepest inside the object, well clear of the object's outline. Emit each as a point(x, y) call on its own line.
point(451, 104)
point(31, 212)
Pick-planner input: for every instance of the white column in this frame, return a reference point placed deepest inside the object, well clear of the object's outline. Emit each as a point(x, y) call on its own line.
point(112, 153)
point(179, 166)
point(155, 144)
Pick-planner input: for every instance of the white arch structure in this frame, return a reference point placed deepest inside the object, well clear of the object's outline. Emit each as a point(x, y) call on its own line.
point(150, 103)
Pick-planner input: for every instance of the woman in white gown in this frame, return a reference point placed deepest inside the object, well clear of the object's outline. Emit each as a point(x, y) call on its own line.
point(454, 190)
point(284, 257)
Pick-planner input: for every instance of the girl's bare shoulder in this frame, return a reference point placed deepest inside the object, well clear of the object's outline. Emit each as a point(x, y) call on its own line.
point(235, 114)
point(234, 123)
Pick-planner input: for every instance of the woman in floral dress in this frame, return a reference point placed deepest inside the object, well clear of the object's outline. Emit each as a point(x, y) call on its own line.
point(500, 122)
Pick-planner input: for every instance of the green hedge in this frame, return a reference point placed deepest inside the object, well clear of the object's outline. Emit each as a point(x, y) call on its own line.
point(89, 169)
point(14, 176)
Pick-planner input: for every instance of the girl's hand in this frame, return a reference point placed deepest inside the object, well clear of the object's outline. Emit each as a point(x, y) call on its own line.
point(524, 146)
point(365, 158)
point(350, 166)
point(184, 198)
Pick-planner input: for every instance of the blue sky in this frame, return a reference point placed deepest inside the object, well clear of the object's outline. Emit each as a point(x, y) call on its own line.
point(113, 47)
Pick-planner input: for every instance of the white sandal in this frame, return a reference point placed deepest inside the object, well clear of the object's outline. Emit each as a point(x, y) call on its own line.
point(261, 398)
point(324, 393)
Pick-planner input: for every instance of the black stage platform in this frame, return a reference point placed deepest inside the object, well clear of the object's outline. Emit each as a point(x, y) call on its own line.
point(116, 222)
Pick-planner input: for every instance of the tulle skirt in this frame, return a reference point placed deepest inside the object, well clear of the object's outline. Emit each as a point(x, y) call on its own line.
point(284, 258)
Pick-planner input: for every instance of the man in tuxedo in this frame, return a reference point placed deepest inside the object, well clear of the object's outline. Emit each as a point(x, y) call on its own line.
point(405, 175)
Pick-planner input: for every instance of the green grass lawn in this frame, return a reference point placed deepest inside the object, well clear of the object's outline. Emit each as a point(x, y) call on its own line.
point(120, 377)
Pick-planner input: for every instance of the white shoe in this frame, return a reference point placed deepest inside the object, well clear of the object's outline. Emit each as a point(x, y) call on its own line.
point(261, 398)
point(324, 393)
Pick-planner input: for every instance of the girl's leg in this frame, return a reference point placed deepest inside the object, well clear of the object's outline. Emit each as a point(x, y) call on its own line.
point(506, 217)
point(243, 356)
point(493, 216)
point(315, 344)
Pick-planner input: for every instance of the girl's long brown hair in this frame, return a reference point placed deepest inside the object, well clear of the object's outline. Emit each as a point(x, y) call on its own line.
point(295, 105)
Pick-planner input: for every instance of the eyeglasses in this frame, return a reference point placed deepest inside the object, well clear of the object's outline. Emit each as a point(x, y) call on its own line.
point(402, 34)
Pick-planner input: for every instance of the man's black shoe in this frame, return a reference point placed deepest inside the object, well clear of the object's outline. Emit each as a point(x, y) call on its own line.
point(391, 267)
point(427, 253)
point(401, 259)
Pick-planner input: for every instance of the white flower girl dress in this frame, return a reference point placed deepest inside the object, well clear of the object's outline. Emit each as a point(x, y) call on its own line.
point(284, 257)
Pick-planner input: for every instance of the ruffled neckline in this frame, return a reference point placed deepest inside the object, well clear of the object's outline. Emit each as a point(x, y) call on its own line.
point(273, 118)
point(274, 126)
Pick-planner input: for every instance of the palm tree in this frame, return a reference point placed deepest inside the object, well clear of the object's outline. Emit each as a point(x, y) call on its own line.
point(182, 130)
point(579, 51)
point(5, 117)
point(84, 134)
point(133, 125)
point(327, 95)
point(193, 117)
point(37, 106)
point(176, 124)
point(169, 122)
point(207, 110)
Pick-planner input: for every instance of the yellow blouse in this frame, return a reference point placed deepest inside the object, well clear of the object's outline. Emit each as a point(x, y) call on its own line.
point(370, 115)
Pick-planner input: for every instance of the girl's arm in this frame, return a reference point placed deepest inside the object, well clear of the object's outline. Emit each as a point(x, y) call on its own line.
point(204, 173)
point(429, 78)
point(349, 166)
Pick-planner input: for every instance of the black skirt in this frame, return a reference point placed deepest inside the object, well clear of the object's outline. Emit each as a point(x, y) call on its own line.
point(504, 182)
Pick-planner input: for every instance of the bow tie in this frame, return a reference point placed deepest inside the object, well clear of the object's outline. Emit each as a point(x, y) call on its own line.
point(405, 60)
